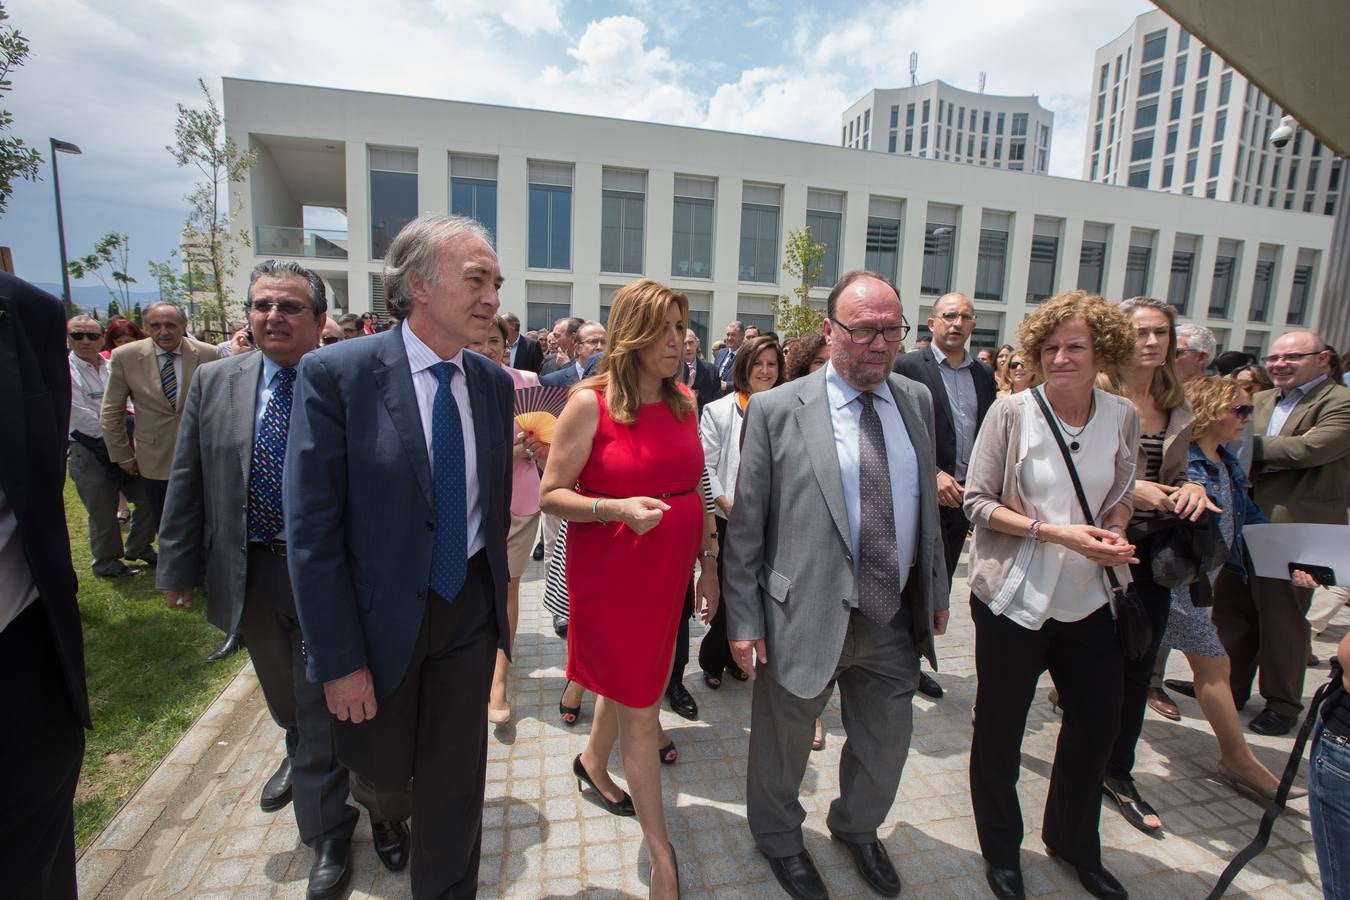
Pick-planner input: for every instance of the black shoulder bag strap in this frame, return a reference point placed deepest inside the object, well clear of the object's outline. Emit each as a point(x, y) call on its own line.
point(1088, 514)
point(1258, 843)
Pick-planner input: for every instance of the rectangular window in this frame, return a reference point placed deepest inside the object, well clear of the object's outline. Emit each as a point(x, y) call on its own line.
point(909, 140)
point(692, 230)
point(985, 129)
point(546, 303)
point(1225, 88)
point(1220, 127)
point(473, 189)
point(1171, 140)
point(941, 109)
point(1155, 45)
point(1044, 260)
point(890, 144)
point(1183, 268)
point(550, 219)
point(1106, 77)
point(1199, 99)
point(1150, 81)
point(1204, 62)
point(1017, 151)
point(909, 115)
point(393, 195)
point(867, 121)
point(1142, 148)
point(1139, 177)
point(992, 265)
point(1167, 174)
point(1097, 139)
point(1179, 75)
point(1215, 160)
point(1293, 175)
point(1175, 112)
point(1190, 169)
point(759, 232)
point(895, 116)
point(1211, 190)
point(1298, 297)
point(926, 107)
point(825, 218)
point(622, 211)
point(1019, 124)
point(1137, 265)
point(1196, 124)
point(1183, 40)
point(1221, 288)
point(883, 238)
point(939, 239)
point(923, 137)
point(1092, 258)
point(1262, 287)
point(998, 129)
point(1146, 115)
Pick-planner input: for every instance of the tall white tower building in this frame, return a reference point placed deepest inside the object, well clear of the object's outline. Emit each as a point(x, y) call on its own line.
point(1168, 114)
point(937, 121)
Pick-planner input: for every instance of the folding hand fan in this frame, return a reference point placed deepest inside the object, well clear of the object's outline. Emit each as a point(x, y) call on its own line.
point(537, 409)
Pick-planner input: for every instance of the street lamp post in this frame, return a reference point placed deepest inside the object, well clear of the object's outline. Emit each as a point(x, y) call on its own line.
point(62, 147)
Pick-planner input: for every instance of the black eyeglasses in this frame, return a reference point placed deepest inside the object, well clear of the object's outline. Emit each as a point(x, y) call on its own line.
point(1244, 411)
point(330, 339)
point(86, 336)
point(891, 334)
point(285, 307)
point(1291, 357)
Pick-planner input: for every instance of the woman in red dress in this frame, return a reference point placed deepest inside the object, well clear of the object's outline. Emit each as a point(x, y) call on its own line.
point(624, 472)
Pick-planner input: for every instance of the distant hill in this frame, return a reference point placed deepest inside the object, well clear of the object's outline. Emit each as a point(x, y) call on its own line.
point(94, 298)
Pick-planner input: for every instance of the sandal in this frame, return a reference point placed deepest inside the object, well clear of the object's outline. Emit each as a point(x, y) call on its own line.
point(669, 754)
point(1133, 807)
point(568, 714)
point(712, 681)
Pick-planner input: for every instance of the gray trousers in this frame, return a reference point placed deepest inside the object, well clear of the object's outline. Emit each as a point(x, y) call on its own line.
point(271, 631)
point(877, 674)
point(98, 489)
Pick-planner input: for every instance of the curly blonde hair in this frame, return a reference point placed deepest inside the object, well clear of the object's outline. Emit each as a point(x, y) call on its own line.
point(1112, 332)
point(1211, 397)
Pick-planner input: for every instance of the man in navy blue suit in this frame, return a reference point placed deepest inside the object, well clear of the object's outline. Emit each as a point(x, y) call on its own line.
point(590, 347)
point(726, 357)
point(397, 495)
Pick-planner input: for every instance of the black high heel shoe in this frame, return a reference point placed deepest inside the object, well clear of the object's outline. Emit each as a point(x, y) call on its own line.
point(622, 807)
point(564, 711)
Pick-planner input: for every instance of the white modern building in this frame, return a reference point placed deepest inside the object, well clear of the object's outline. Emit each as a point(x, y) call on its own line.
point(1170, 115)
point(579, 205)
point(937, 121)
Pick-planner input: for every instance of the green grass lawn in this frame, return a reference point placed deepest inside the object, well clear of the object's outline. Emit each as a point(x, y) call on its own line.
point(147, 679)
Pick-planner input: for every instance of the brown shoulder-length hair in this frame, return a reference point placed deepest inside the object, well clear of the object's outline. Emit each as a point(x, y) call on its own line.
point(1210, 396)
point(799, 358)
point(637, 319)
point(745, 361)
point(1166, 388)
point(1111, 330)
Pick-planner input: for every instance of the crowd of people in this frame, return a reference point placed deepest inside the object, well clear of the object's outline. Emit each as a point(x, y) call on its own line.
point(360, 506)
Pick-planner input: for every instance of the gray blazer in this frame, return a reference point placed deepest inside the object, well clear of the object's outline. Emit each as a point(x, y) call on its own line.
point(205, 520)
point(787, 560)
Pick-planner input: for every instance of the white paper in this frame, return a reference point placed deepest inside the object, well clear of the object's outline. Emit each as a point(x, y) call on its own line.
point(1274, 547)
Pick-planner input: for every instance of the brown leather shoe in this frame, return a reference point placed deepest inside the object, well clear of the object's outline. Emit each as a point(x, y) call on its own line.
point(1163, 705)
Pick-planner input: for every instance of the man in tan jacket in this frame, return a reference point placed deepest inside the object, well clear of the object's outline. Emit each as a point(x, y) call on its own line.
point(155, 374)
point(1301, 461)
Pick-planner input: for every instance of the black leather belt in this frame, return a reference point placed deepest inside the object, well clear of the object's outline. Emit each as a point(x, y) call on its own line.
point(276, 548)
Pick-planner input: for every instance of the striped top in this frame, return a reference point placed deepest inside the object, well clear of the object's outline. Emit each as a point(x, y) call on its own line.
point(1152, 446)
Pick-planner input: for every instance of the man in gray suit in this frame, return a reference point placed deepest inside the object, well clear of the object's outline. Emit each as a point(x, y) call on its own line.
point(840, 578)
point(223, 513)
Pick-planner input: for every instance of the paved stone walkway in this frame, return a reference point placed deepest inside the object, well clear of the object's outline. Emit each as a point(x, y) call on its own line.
point(194, 828)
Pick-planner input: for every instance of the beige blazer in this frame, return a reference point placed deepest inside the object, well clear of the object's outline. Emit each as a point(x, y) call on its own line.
point(1300, 475)
point(134, 374)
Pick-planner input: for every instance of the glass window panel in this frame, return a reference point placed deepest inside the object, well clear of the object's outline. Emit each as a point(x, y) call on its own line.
point(1225, 88)
point(692, 238)
point(477, 199)
point(1262, 287)
point(1091, 266)
point(825, 229)
point(393, 204)
point(1138, 177)
point(938, 240)
point(1142, 148)
point(1179, 281)
point(883, 247)
point(1221, 289)
point(1155, 45)
point(1041, 275)
point(1150, 81)
point(1137, 271)
point(550, 227)
point(1298, 297)
point(1204, 62)
point(759, 243)
point(621, 221)
point(991, 267)
point(1146, 115)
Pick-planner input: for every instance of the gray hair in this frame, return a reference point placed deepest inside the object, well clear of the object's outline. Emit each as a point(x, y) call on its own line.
point(85, 320)
point(272, 268)
point(353, 318)
point(1198, 338)
point(511, 319)
point(412, 254)
point(178, 310)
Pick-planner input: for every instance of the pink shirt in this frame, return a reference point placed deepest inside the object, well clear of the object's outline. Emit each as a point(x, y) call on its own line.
point(524, 473)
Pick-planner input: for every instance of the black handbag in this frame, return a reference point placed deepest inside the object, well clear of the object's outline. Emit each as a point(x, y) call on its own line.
point(1133, 629)
point(1181, 552)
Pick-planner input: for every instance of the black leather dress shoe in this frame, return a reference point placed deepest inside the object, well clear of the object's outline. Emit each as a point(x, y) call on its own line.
point(332, 869)
point(559, 626)
point(233, 644)
point(1005, 883)
point(538, 551)
point(123, 571)
point(276, 793)
point(1272, 724)
point(1098, 882)
point(681, 701)
point(928, 686)
point(391, 844)
point(798, 876)
point(874, 866)
point(150, 557)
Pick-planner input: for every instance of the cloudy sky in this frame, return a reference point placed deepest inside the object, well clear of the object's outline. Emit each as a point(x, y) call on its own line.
point(107, 76)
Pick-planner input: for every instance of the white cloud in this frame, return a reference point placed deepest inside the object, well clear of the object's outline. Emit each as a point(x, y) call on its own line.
point(780, 101)
point(526, 16)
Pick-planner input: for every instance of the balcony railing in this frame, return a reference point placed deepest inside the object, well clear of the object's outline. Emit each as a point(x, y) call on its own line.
point(312, 243)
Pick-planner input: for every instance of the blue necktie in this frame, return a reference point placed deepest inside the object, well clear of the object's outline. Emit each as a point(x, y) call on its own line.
point(265, 520)
point(450, 549)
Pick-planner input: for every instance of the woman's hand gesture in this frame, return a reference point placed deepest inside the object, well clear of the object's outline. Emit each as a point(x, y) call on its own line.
point(1104, 547)
point(641, 514)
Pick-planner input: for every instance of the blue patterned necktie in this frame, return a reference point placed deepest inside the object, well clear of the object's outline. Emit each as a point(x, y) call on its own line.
point(450, 548)
point(265, 520)
point(879, 558)
point(169, 380)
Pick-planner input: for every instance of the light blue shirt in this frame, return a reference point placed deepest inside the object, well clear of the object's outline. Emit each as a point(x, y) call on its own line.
point(266, 383)
point(846, 416)
point(1285, 405)
point(964, 405)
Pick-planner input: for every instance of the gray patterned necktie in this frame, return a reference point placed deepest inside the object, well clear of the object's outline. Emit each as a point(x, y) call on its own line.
point(878, 557)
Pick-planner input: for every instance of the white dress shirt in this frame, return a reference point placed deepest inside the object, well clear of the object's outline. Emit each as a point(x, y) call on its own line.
point(846, 416)
point(420, 360)
point(86, 395)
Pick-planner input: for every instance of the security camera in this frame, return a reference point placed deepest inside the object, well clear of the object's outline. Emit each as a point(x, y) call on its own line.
point(1283, 134)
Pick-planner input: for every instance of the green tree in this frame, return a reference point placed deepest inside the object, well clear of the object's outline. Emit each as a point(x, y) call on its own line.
point(210, 230)
point(804, 260)
point(173, 288)
point(113, 311)
point(17, 159)
point(109, 261)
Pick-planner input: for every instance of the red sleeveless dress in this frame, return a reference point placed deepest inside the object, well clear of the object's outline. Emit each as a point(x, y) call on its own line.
point(627, 590)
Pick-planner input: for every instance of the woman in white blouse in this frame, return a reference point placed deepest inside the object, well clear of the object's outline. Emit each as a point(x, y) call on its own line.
point(1039, 595)
point(758, 367)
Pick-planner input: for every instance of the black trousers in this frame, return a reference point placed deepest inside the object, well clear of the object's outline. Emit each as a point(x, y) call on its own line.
point(955, 525)
point(714, 653)
point(1085, 662)
point(155, 492)
point(424, 753)
point(1263, 622)
point(1157, 602)
point(681, 657)
point(271, 629)
point(40, 759)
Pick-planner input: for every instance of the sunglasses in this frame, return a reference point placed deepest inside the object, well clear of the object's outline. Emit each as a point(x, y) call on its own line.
point(85, 336)
point(1244, 411)
point(285, 307)
point(331, 339)
point(1014, 366)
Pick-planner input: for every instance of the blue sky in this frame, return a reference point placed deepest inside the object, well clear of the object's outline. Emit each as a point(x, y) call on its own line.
point(107, 76)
